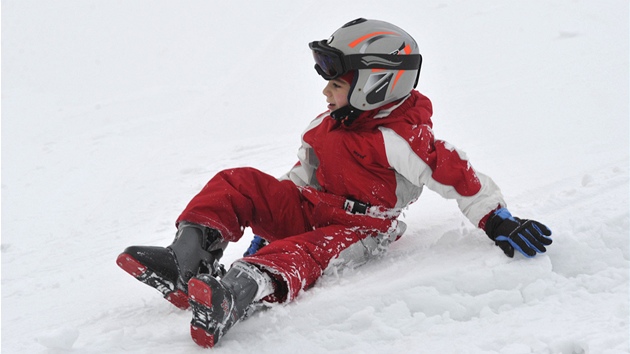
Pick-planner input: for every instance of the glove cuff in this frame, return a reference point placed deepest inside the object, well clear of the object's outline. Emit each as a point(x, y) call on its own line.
point(495, 220)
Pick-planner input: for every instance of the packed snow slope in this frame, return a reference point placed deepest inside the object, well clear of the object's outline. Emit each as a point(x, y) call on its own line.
point(115, 113)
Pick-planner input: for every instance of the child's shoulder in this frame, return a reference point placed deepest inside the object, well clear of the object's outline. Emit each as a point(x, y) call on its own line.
point(414, 110)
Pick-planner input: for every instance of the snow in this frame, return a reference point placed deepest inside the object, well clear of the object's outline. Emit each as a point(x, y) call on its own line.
point(115, 113)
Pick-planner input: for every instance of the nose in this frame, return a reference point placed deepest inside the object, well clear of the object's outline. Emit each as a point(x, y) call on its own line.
point(326, 90)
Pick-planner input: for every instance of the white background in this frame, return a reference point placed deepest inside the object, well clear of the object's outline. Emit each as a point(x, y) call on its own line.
point(115, 113)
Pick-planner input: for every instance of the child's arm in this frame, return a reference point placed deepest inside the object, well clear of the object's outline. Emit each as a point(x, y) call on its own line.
point(297, 174)
point(423, 160)
point(303, 172)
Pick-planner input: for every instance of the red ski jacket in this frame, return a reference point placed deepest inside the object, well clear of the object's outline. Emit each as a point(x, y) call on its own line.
point(385, 158)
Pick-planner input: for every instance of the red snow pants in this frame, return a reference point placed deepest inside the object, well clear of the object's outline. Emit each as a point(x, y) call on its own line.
point(306, 228)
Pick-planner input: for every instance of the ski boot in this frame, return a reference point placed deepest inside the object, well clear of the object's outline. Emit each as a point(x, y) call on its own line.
point(218, 305)
point(196, 249)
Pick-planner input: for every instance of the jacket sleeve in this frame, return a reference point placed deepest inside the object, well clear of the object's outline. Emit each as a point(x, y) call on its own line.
point(304, 172)
point(425, 161)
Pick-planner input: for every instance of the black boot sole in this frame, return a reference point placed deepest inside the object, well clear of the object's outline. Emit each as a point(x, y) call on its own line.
point(212, 308)
point(144, 274)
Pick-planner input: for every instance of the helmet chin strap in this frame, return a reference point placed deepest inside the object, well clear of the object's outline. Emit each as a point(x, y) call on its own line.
point(346, 114)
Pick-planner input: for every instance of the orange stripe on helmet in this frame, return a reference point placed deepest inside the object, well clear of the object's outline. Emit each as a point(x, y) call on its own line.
point(369, 35)
point(398, 75)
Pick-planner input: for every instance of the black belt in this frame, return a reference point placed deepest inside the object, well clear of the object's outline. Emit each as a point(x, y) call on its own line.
point(355, 206)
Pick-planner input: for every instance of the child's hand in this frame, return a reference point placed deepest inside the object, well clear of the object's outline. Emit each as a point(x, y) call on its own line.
point(509, 233)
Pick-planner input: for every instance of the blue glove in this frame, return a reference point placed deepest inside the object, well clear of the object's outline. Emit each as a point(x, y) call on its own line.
point(257, 243)
point(510, 233)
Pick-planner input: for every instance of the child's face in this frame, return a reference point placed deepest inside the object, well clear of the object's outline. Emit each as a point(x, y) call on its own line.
point(336, 92)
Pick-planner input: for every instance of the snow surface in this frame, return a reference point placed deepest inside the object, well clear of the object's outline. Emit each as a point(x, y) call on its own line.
point(115, 113)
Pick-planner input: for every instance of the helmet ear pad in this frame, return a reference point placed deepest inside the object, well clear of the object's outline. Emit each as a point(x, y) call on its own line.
point(372, 89)
point(377, 86)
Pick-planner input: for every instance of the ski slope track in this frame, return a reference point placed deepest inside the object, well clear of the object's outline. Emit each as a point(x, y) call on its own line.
point(115, 113)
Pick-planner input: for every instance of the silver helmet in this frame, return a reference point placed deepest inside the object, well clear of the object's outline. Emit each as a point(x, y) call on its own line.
point(385, 57)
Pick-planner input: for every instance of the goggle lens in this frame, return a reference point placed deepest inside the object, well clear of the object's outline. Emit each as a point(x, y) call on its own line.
point(328, 61)
point(326, 65)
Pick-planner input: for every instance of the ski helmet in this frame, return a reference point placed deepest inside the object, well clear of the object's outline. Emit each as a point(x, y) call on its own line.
point(386, 59)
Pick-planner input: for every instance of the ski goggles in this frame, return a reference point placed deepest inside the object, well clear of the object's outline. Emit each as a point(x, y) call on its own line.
point(331, 63)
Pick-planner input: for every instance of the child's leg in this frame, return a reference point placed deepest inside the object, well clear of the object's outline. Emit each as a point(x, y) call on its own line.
point(231, 201)
point(300, 260)
point(245, 197)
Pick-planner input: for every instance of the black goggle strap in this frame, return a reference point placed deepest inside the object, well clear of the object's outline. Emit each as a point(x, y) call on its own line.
point(383, 61)
point(332, 63)
point(333, 66)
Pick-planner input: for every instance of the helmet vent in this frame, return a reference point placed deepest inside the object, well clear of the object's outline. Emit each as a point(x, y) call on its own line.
point(354, 22)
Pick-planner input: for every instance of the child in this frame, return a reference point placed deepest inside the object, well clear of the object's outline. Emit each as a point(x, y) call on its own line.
point(360, 164)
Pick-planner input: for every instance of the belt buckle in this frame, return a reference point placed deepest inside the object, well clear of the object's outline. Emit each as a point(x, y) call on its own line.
point(355, 206)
